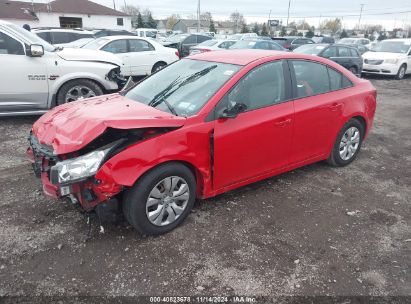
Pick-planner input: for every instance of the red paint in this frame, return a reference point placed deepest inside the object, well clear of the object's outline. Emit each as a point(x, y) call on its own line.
point(253, 146)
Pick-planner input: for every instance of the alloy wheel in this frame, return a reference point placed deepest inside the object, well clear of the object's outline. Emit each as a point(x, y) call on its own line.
point(349, 143)
point(167, 200)
point(79, 92)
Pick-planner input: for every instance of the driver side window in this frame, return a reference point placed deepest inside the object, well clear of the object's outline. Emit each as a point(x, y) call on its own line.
point(10, 46)
point(263, 86)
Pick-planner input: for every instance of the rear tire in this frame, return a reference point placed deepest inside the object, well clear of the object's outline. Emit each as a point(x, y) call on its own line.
point(158, 66)
point(348, 144)
point(152, 211)
point(76, 89)
point(401, 72)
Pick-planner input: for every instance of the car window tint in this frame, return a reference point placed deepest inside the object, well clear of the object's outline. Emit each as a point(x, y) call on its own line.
point(62, 37)
point(311, 77)
point(116, 47)
point(190, 39)
point(44, 36)
point(335, 79)
point(344, 52)
point(202, 38)
point(263, 86)
point(137, 45)
point(10, 46)
point(226, 44)
point(262, 46)
point(353, 53)
point(346, 83)
point(330, 52)
point(274, 46)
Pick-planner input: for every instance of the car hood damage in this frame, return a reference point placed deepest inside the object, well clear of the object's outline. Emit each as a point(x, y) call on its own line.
point(71, 54)
point(70, 127)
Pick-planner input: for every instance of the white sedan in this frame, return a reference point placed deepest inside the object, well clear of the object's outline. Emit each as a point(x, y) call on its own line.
point(140, 56)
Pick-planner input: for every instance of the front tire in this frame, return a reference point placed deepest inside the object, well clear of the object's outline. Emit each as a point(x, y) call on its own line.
point(401, 72)
point(348, 144)
point(78, 89)
point(161, 199)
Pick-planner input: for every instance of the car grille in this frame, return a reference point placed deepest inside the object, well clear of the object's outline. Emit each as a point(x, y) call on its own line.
point(373, 61)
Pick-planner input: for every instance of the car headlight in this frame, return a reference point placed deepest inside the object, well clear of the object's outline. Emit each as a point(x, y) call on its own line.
point(78, 168)
point(392, 61)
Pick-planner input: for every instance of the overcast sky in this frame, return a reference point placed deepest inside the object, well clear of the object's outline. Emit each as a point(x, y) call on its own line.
point(382, 12)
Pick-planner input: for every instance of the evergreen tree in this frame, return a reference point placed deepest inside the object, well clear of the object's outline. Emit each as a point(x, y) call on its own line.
point(309, 34)
point(150, 23)
point(244, 29)
point(256, 28)
point(343, 34)
point(212, 26)
point(264, 31)
point(283, 32)
point(140, 23)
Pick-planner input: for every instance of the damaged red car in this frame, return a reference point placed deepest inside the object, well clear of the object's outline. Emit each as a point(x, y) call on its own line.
point(202, 126)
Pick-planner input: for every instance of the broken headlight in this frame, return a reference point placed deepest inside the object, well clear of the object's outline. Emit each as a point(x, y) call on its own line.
point(79, 168)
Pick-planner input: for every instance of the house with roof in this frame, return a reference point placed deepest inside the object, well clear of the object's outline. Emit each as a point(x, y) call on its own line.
point(190, 26)
point(64, 13)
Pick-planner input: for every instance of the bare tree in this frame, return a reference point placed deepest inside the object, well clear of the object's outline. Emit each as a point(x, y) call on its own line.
point(172, 20)
point(238, 20)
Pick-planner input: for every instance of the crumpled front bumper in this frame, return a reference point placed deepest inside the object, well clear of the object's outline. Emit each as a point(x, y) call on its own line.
point(88, 193)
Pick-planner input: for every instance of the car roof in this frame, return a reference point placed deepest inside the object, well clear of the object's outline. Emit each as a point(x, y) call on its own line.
point(117, 37)
point(399, 39)
point(247, 56)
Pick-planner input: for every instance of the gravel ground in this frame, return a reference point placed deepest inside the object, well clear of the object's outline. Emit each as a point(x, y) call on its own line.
point(313, 231)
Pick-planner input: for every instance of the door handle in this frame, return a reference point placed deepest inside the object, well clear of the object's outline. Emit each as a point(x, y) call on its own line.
point(334, 107)
point(283, 122)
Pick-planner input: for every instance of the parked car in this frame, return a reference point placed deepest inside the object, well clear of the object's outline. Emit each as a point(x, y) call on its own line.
point(139, 56)
point(98, 33)
point(198, 128)
point(389, 57)
point(146, 33)
point(361, 41)
point(257, 44)
point(290, 42)
point(244, 36)
point(76, 44)
point(36, 75)
point(57, 36)
point(345, 55)
point(183, 42)
point(323, 39)
point(211, 45)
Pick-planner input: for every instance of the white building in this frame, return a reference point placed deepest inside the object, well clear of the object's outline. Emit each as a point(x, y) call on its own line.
point(64, 13)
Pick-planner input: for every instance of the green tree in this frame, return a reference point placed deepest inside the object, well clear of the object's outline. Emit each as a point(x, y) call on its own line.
point(283, 32)
point(256, 28)
point(149, 20)
point(343, 34)
point(212, 27)
point(309, 34)
point(264, 31)
point(244, 28)
point(140, 22)
point(294, 32)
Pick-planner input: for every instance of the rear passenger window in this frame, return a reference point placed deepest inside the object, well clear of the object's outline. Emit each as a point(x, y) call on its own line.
point(344, 52)
point(330, 52)
point(337, 80)
point(311, 77)
point(354, 53)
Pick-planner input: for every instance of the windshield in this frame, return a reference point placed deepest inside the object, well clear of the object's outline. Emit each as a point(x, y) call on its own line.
point(208, 43)
point(151, 34)
point(243, 44)
point(309, 49)
point(348, 41)
point(177, 38)
point(32, 38)
point(391, 46)
point(184, 87)
point(96, 44)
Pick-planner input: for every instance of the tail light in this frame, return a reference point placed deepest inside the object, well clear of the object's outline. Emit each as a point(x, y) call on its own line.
point(287, 46)
point(204, 50)
point(177, 54)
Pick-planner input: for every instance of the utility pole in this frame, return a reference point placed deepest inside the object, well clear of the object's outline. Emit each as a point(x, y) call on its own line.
point(125, 5)
point(288, 13)
point(114, 4)
point(198, 17)
point(268, 23)
point(359, 20)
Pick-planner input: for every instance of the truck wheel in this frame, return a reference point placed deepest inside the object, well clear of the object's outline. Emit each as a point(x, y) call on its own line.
point(78, 89)
point(161, 199)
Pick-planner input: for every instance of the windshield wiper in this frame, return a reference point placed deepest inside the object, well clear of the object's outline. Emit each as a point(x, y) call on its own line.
point(169, 106)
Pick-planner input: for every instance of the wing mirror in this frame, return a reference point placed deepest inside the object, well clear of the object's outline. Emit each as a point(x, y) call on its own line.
point(234, 111)
point(35, 50)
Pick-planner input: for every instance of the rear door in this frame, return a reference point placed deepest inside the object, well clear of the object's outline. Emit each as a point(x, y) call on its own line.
point(142, 57)
point(258, 140)
point(317, 110)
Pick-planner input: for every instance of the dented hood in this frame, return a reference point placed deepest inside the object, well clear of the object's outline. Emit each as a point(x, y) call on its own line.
point(70, 127)
point(72, 54)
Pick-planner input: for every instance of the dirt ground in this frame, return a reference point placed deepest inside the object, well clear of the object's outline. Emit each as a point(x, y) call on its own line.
point(314, 231)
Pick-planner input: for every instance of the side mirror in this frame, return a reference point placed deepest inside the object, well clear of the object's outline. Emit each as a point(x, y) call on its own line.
point(35, 50)
point(234, 111)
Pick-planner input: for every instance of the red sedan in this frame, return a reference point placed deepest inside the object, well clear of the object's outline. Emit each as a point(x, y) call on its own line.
point(204, 125)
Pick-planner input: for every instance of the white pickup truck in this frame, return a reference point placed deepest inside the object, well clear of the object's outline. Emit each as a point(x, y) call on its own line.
point(36, 76)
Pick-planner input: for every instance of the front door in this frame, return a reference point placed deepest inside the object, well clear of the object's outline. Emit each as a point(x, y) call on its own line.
point(24, 79)
point(258, 140)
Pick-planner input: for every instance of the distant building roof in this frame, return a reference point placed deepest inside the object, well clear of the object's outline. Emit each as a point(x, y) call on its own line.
point(205, 23)
point(27, 10)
